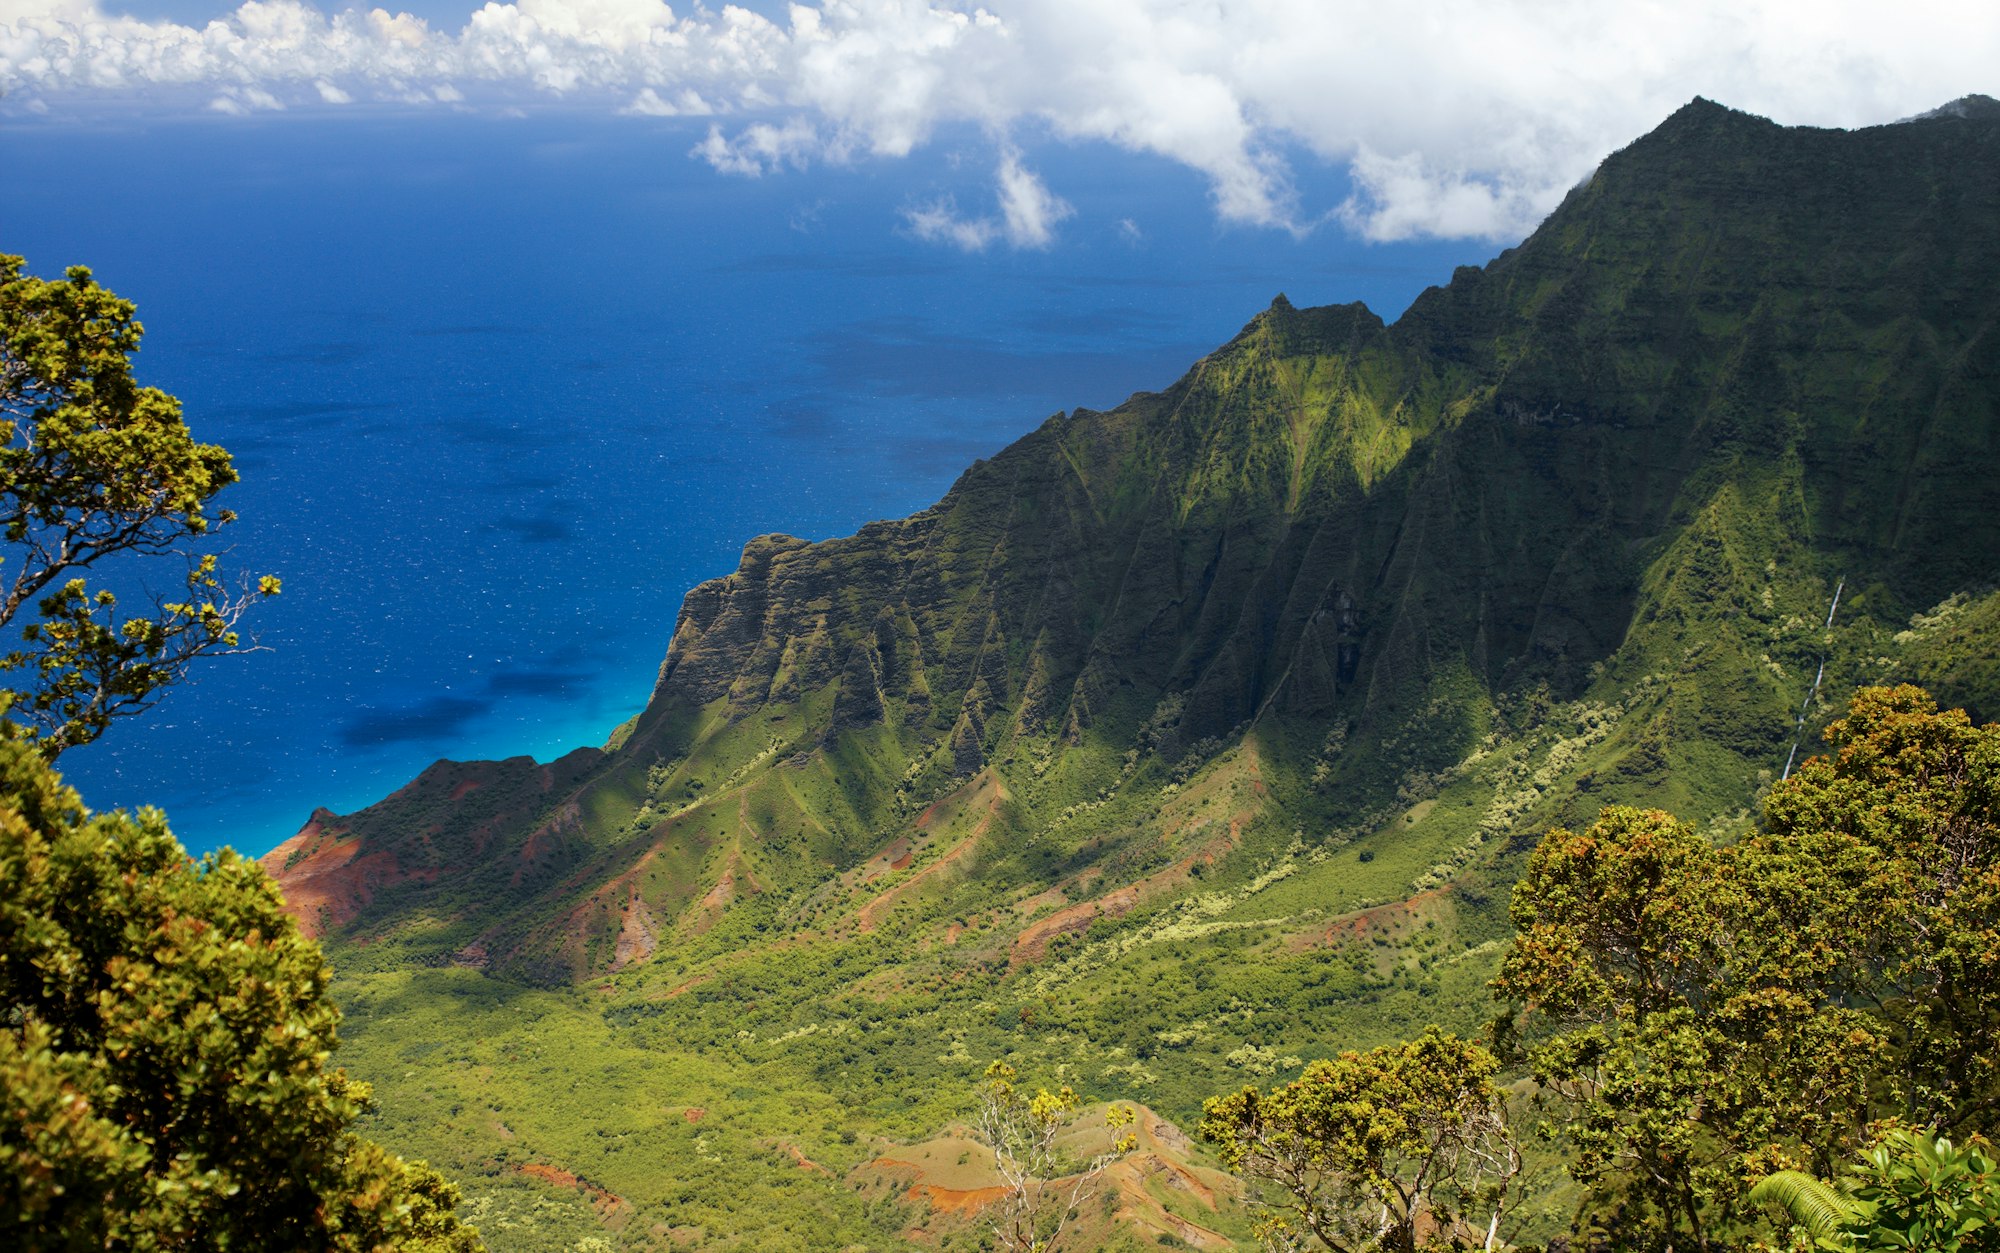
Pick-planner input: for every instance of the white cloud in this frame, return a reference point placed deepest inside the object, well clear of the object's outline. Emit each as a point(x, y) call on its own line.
point(761, 148)
point(1029, 211)
point(243, 101)
point(1458, 117)
point(649, 103)
point(1028, 214)
point(939, 222)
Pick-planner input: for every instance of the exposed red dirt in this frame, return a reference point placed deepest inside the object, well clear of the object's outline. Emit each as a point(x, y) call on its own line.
point(955, 1200)
point(564, 822)
point(605, 1202)
point(326, 878)
point(736, 881)
point(995, 795)
point(1032, 944)
point(960, 1190)
point(801, 1160)
point(638, 933)
point(1391, 919)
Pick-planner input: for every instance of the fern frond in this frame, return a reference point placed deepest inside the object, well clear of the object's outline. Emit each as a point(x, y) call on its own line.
point(1812, 1203)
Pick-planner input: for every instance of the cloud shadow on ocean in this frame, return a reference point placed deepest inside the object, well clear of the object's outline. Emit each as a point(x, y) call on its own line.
point(543, 528)
point(439, 718)
point(803, 420)
point(565, 675)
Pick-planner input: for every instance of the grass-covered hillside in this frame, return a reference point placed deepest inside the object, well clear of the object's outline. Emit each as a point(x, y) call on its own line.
point(1183, 742)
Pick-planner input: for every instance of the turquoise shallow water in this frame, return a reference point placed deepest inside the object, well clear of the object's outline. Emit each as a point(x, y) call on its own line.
point(501, 391)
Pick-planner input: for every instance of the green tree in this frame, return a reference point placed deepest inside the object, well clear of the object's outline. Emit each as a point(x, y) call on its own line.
point(1044, 1192)
point(164, 1042)
point(95, 469)
point(1700, 1017)
point(1399, 1148)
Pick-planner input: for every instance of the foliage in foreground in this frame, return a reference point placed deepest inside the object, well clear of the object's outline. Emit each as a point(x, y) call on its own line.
point(1042, 1198)
point(1698, 1017)
point(1399, 1147)
point(95, 469)
point(164, 1037)
point(1911, 1191)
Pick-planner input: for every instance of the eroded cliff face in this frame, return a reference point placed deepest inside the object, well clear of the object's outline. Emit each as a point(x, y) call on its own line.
point(1621, 466)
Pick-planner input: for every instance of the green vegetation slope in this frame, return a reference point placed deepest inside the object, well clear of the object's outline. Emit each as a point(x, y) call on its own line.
point(1184, 741)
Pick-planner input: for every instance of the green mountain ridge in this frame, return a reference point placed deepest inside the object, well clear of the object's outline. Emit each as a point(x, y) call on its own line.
point(1183, 740)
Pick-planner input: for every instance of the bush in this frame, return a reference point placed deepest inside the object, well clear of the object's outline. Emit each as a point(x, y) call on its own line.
point(164, 1038)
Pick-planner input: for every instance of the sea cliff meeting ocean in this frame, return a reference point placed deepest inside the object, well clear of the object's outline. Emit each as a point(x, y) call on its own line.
point(502, 390)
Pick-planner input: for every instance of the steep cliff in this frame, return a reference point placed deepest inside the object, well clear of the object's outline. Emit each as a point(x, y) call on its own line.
point(1627, 461)
point(1182, 740)
point(1625, 464)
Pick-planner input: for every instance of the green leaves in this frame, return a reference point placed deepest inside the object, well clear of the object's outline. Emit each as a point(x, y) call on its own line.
point(1706, 1016)
point(1365, 1146)
point(1910, 1191)
point(94, 469)
point(164, 1036)
point(1817, 1207)
point(1918, 1192)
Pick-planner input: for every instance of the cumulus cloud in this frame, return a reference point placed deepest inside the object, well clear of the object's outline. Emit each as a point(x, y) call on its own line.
point(1457, 117)
point(762, 147)
point(939, 222)
point(1028, 213)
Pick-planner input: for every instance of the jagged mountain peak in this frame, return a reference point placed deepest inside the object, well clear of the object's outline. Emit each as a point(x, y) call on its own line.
point(1621, 464)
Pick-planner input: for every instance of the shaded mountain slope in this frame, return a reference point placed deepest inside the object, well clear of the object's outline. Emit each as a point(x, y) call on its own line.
point(1740, 363)
point(1185, 740)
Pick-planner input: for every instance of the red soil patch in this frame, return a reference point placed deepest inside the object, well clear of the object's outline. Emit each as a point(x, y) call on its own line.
point(694, 1113)
point(1032, 944)
point(872, 912)
point(736, 881)
point(565, 821)
point(638, 931)
point(955, 1200)
point(327, 879)
point(996, 793)
point(605, 1202)
point(718, 897)
point(464, 786)
point(799, 1157)
point(638, 934)
point(1391, 919)
point(1159, 1163)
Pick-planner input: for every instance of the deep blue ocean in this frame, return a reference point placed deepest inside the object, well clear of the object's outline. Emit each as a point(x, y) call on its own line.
point(502, 390)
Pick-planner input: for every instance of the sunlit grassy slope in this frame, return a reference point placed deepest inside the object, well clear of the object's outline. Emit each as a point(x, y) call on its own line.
point(1185, 741)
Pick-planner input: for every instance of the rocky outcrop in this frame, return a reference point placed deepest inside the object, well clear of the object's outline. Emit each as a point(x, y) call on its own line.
point(1627, 453)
